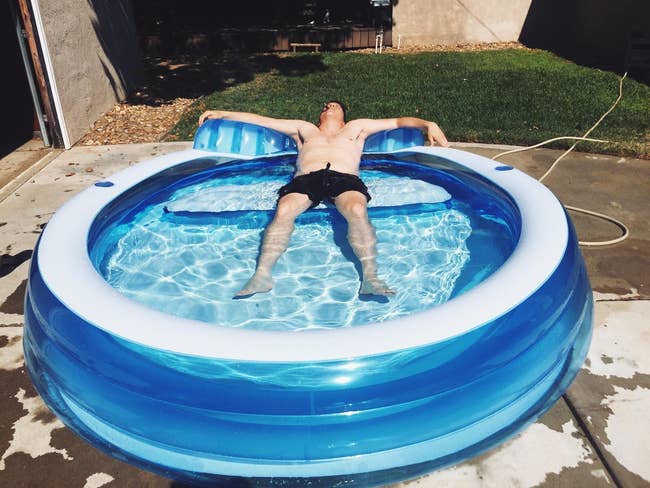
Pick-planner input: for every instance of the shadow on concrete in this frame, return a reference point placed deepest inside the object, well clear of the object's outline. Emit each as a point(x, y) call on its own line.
point(614, 36)
point(8, 262)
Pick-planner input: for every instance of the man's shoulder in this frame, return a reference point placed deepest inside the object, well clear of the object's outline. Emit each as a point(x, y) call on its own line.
point(305, 125)
point(359, 121)
point(366, 127)
point(366, 123)
point(358, 124)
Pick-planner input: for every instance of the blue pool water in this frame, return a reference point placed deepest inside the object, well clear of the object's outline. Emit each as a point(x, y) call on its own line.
point(191, 261)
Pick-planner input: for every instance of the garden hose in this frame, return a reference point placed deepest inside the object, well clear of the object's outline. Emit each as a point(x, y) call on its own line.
point(621, 225)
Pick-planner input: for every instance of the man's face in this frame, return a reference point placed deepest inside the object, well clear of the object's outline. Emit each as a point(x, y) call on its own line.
point(332, 109)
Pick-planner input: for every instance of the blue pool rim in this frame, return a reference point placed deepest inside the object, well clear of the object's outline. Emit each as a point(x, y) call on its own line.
point(551, 304)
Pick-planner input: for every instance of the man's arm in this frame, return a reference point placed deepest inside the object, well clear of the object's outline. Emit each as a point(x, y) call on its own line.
point(434, 133)
point(288, 127)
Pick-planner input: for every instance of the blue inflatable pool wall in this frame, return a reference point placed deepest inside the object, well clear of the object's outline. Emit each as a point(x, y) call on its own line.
point(362, 421)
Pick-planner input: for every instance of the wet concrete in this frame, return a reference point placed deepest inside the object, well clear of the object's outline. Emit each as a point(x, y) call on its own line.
point(594, 436)
point(608, 185)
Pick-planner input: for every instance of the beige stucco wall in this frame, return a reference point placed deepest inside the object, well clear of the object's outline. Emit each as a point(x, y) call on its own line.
point(426, 22)
point(93, 48)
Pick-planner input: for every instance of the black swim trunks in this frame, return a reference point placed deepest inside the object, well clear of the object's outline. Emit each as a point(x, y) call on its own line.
point(324, 184)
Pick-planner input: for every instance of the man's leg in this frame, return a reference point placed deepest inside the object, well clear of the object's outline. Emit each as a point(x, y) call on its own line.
point(276, 240)
point(361, 235)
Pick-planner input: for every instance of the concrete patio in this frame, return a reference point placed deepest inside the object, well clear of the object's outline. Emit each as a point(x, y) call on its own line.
point(596, 435)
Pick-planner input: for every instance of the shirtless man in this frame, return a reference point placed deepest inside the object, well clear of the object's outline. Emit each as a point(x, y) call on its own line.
point(329, 155)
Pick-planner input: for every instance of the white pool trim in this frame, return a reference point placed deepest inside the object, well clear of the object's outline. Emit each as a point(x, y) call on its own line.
point(69, 274)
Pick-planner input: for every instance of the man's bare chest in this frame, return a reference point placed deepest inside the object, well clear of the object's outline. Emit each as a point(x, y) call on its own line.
point(341, 138)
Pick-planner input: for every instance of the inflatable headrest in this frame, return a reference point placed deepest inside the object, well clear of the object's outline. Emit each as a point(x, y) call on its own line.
point(228, 136)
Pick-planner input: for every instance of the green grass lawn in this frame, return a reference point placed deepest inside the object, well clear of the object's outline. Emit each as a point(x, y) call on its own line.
point(511, 97)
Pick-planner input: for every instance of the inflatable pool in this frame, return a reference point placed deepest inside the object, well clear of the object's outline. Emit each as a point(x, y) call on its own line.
point(132, 337)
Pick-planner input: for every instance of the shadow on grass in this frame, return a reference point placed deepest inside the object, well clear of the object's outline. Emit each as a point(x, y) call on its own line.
point(186, 76)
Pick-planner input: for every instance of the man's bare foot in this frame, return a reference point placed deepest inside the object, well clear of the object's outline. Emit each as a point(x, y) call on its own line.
point(259, 283)
point(375, 286)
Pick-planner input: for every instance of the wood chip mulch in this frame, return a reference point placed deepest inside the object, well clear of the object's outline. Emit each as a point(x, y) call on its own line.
point(462, 47)
point(129, 123)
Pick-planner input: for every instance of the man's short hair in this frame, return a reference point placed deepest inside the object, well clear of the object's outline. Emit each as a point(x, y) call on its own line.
point(342, 105)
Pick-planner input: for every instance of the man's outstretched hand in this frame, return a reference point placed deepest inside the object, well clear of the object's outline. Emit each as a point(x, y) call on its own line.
point(436, 136)
point(210, 114)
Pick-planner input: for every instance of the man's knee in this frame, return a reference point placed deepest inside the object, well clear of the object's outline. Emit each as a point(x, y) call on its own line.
point(289, 208)
point(285, 212)
point(359, 210)
point(354, 209)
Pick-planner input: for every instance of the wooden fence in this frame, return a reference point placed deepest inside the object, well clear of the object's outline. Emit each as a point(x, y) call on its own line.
point(333, 38)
